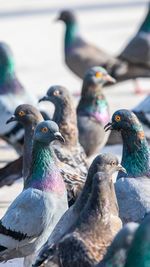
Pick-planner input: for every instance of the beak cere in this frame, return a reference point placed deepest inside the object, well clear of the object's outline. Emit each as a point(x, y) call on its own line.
point(59, 137)
point(121, 168)
point(108, 126)
point(44, 98)
point(12, 118)
point(109, 78)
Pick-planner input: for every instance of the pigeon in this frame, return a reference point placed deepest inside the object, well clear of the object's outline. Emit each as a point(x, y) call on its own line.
point(80, 55)
point(138, 254)
point(65, 116)
point(117, 252)
point(132, 189)
point(93, 110)
point(12, 94)
point(137, 51)
point(32, 216)
point(28, 116)
point(101, 163)
point(95, 228)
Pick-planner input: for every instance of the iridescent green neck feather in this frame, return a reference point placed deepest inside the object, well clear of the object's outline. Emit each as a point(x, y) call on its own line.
point(44, 173)
point(71, 34)
point(6, 70)
point(136, 154)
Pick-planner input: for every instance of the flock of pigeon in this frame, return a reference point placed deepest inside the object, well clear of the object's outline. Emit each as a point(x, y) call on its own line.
point(70, 212)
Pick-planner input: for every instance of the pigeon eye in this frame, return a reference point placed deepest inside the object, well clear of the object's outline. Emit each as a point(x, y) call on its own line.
point(113, 163)
point(56, 93)
point(98, 75)
point(21, 113)
point(44, 130)
point(117, 118)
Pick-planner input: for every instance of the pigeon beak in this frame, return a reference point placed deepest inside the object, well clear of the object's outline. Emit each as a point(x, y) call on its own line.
point(12, 118)
point(121, 168)
point(44, 98)
point(108, 126)
point(59, 137)
point(109, 78)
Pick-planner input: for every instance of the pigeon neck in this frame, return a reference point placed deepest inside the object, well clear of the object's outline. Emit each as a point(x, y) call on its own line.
point(97, 209)
point(65, 117)
point(136, 157)
point(44, 174)
point(71, 34)
point(7, 71)
point(27, 152)
point(94, 105)
point(145, 27)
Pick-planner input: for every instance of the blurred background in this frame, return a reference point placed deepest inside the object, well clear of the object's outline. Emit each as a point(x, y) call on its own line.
point(36, 40)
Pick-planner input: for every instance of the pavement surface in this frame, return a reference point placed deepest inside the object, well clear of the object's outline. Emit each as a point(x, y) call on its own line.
point(37, 42)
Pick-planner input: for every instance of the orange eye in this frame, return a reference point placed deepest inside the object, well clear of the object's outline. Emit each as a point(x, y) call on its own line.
point(98, 75)
point(21, 113)
point(56, 93)
point(117, 118)
point(44, 130)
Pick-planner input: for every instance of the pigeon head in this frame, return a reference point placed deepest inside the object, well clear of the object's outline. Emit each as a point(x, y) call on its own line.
point(57, 95)
point(66, 16)
point(64, 114)
point(124, 120)
point(135, 157)
point(46, 132)
point(6, 61)
point(98, 75)
point(26, 115)
point(107, 163)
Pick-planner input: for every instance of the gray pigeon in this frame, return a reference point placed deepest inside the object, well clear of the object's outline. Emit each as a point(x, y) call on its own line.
point(117, 252)
point(12, 94)
point(95, 228)
point(104, 163)
point(137, 51)
point(93, 110)
point(132, 189)
point(32, 216)
point(80, 55)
